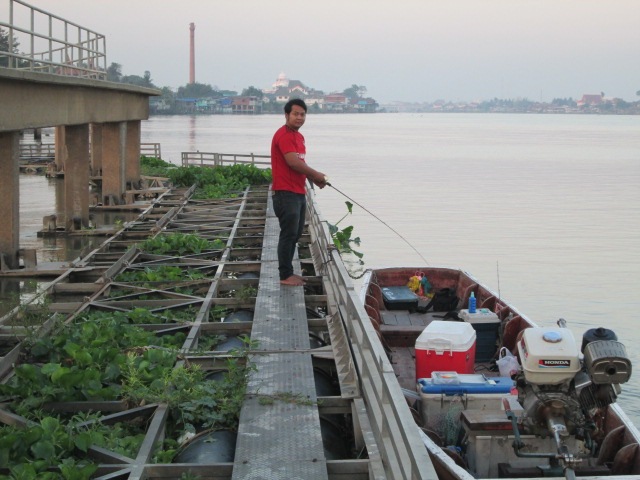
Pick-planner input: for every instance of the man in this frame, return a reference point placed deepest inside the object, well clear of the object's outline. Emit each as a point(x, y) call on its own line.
point(289, 172)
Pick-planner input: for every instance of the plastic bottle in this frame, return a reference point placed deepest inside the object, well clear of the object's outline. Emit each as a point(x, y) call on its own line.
point(472, 303)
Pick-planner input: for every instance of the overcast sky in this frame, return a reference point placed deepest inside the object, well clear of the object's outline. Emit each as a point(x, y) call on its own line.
point(400, 50)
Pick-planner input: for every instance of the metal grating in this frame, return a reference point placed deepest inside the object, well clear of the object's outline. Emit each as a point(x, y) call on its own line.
point(279, 419)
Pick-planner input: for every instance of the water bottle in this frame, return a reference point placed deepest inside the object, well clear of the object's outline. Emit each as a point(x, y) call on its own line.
point(472, 303)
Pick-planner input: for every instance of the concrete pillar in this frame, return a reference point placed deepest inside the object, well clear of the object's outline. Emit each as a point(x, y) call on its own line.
point(60, 148)
point(76, 177)
point(132, 153)
point(10, 204)
point(113, 162)
point(96, 149)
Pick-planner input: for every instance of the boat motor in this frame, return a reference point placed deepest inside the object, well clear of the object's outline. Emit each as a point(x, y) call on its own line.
point(559, 391)
point(556, 386)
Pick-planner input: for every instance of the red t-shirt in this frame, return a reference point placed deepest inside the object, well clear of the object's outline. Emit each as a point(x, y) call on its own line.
point(286, 140)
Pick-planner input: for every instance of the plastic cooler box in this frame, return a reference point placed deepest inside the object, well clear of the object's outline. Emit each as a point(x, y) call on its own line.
point(445, 346)
point(445, 395)
point(486, 324)
point(399, 298)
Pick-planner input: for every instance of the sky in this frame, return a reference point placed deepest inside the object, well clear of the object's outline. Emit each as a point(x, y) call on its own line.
point(400, 50)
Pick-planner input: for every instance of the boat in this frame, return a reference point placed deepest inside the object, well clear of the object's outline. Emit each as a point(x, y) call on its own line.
point(493, 394)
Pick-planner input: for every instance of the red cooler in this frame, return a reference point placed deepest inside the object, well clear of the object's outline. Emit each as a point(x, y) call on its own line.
point(445, 346)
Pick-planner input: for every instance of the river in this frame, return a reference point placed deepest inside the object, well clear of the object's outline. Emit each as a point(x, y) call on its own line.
point(545, 209)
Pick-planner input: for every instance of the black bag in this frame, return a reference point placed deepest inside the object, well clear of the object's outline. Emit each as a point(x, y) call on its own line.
point(444, 300)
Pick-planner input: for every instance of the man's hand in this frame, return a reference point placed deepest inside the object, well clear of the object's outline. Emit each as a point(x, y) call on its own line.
point(320, 180)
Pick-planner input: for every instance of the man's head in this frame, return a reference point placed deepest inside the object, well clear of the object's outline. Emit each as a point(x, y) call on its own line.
point(295, 113)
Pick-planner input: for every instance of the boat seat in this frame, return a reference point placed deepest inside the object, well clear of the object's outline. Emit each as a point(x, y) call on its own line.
point(625, 460)
point(611, 443)
point(478, 420)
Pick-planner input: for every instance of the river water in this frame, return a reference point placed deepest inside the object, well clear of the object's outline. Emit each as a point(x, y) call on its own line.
point(544, 209)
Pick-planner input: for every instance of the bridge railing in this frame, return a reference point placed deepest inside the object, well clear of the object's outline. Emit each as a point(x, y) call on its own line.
point(37, 151)
point(151, 150)
point(42, 42)
point(208, 159)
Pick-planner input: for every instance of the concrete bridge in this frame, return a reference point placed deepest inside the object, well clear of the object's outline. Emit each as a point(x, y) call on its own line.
point(60, 81)
point(97, 134)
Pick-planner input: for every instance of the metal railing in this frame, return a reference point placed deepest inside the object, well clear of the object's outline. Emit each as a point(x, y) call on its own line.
point(207, 159)
point(396, 434)
point(150, 150)
point(37, 150)
point(42, 42)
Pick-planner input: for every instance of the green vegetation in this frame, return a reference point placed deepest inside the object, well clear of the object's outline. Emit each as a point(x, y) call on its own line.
point(286, 397)
point(245, 292)
point(103, 357)
point(342, 238)
point(217, 182)
point(179, 244)
point(155, 167)
point(161, 274)
point(220, 182)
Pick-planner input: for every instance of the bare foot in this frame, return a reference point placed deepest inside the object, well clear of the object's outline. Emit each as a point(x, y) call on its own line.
point(301, 278)
point(293, 280)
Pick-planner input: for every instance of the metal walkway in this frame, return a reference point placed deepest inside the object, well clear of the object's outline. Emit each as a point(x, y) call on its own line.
point(288, 425)
point(283, 429)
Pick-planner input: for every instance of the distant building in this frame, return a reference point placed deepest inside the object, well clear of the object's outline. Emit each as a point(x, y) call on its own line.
point(590, 100)
point(281, 82)
point(284, 89)
point(246, 105)
point(336, 102)
point(363, 105)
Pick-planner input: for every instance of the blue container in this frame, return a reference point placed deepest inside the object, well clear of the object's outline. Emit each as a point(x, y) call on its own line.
point(476, 385)
point(472, 303)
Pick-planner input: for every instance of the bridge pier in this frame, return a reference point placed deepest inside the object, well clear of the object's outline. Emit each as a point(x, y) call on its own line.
point(132, 153)
point(69, 103)
point(96, 149)
point(60, 148)
point(10, 204)
point(113, 162)
point(76, 177)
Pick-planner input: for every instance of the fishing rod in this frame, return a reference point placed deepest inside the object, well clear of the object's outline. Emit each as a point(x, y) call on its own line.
point(377, 218)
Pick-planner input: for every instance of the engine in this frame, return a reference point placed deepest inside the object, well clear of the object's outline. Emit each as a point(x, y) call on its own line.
point(561, 385)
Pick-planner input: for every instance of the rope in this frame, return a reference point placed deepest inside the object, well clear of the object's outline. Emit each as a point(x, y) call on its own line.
point(324, 264)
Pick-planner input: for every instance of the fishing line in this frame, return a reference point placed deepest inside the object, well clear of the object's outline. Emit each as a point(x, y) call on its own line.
point(379, 219)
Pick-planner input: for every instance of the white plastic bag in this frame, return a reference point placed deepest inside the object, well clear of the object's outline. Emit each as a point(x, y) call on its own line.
point(507, 363)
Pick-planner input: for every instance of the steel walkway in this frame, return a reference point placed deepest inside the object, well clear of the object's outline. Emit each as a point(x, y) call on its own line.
point(281, 432)
point(288, 425)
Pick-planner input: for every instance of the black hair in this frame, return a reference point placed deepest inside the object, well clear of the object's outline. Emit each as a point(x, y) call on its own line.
point(294, 101)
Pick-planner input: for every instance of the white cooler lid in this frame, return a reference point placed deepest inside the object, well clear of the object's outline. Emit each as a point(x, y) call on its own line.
point(482, 315)
point(440, 335)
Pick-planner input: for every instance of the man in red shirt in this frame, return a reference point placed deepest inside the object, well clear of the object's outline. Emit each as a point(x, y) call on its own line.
point(289, 173)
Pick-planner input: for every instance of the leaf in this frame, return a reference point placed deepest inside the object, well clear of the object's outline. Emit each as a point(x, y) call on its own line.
point(83, 441)
point(43, 449)
point(32, 435)
point(58, 373)
point(23, 471)
point(28, 372)
point(49, 369)
point(49, 424)
point(349, 206)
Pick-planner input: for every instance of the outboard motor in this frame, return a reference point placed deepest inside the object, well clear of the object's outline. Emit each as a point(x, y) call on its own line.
point(558, 391)
point(555, 386)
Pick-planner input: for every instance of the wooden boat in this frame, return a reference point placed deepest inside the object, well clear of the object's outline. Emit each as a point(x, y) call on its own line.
point(554, 416)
